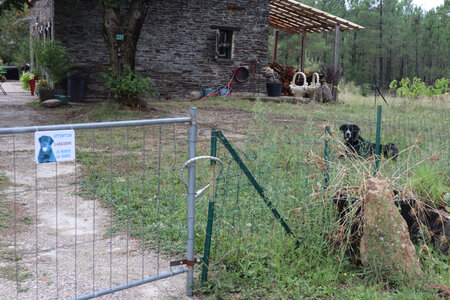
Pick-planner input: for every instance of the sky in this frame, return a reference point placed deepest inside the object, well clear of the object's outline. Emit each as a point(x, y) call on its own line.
point(428, 4)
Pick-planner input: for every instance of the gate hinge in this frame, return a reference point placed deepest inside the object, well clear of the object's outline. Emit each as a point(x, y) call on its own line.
point(186, 262)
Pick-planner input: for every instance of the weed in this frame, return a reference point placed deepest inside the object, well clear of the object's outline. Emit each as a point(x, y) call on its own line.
point(26, 220)
point(4, 181)
point(35, 105)
point(430, 183)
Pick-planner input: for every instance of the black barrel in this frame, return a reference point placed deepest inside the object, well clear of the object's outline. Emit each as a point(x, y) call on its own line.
point(12, 72)
point(274, 89)
point(76, 86)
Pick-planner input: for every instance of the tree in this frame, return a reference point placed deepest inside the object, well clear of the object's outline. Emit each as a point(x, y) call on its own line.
point(129, 24)
point(123, 17)
point(14, 39)
point(399, 40)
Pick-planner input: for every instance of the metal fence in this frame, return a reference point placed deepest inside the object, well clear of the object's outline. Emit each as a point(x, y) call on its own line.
point(113, 218)
point(292, 171)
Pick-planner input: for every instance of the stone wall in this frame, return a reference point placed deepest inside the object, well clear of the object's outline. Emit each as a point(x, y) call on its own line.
point(176, 46)
point(78, 25)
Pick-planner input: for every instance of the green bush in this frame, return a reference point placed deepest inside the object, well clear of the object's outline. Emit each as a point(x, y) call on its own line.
point(51, 57)
point(364, 89)
point(129, 89)
point(430, 183)
point(25, 79)
point(418, 88)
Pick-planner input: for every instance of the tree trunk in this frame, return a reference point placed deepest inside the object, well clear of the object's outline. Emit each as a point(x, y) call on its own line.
point(354, 48)
point(389, 67)
point(123, 52)
point(401, 68)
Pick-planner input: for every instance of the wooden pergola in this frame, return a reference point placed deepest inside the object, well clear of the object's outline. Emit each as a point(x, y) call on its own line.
point(295, 18)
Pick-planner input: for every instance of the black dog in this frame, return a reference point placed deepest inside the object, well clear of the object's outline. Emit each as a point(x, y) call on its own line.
point(357, 145)
point(46, 151)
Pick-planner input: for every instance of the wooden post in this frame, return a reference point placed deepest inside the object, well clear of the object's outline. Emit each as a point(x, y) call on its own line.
point(303, 50)
point(336, 44)
point(336, 51)
point(275, 44)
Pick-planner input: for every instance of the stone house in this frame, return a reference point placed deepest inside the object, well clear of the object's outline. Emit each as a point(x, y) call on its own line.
point(183, 45)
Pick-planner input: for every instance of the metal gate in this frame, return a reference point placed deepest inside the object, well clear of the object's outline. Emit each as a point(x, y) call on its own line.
point(112, 218)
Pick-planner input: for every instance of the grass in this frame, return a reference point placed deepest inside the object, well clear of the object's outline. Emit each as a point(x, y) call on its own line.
point(4, 182)
point(9, 273)
point(135, 174)
point(252, 257)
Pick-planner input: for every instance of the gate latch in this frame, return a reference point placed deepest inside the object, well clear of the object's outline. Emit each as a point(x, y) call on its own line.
point(186, 262)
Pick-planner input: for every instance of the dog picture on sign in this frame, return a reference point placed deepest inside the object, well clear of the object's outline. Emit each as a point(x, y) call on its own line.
point(46, 152)
point(54, 146)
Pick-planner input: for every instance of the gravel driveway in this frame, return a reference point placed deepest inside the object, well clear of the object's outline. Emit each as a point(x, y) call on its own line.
point(50, 216)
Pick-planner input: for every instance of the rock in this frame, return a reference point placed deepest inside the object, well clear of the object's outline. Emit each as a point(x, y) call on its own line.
point(195, 94)
point(51, 103)
point(386, 244)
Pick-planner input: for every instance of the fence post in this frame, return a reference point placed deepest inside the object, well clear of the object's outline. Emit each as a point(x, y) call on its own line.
point(326, 156)
point(377, 142)
point(192, 139)
point(209, 225)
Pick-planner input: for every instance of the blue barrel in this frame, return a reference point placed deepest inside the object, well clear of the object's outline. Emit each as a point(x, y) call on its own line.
point(222, 90)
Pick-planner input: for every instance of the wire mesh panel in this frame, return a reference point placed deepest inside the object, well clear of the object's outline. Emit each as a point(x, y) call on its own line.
point(243, 219)
point(290, 167)
point(115, 215)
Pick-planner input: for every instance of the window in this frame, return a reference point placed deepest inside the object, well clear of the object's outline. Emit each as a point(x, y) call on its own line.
point(224, 41)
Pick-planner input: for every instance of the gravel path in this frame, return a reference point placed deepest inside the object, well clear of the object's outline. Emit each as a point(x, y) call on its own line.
point(52, 216)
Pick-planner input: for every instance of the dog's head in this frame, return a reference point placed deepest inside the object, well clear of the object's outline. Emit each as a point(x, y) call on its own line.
point(46, 143)
point(350, 131)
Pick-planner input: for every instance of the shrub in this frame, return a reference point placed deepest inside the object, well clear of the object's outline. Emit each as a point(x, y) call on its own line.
point(43, 84)
point(25, 79)
point(364, 89)
point(418, 88)
point(430, 183)
point(129, 89)
point(51, 57)
point(441, 86)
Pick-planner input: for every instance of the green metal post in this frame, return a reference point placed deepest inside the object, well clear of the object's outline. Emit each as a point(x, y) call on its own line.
point(326, 156)
point(377, 141)
point(209, 225)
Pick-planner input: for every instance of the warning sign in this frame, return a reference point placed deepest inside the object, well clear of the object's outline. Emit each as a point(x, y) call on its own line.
point(54, 146)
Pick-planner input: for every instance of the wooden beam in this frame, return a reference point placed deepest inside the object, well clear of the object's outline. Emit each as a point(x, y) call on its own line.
point(275, 44)
point(281, 27)
point(297, 14)
point(317, 13)
point(297, 26)
point(292, 21)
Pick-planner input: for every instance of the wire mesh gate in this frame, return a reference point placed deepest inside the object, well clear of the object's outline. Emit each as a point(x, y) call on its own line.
point(111, 219)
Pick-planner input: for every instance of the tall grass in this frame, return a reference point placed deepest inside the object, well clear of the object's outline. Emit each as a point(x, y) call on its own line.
point(252, 257)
